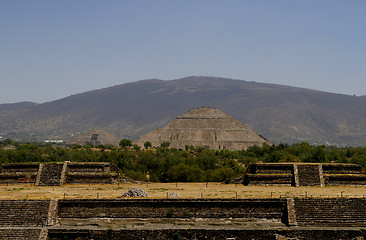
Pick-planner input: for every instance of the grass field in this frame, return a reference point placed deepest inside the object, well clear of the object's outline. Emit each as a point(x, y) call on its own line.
point(186, 190)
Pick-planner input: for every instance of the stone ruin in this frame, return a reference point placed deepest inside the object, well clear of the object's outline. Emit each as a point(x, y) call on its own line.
point(135, 192)
point(207, 127)
point(304, 174)
point(56, 174)
point(275, 218)
point(94, 138)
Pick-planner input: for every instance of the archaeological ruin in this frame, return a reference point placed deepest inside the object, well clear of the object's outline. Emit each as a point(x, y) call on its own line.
point(207, 127)
point(304, 174)
point(284, 218)
point(94, 138)
point(56, 174)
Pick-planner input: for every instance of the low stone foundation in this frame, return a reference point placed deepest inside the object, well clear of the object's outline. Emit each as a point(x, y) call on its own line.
point(55, 174)
point(174, 208)
point(304, 174)
point(207, 234)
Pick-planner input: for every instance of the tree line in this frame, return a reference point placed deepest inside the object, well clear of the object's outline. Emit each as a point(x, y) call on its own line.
point(192, 164)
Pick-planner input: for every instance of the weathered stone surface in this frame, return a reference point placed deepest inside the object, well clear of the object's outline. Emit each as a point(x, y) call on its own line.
point(174, 195)
point(19, 234)
point(205, 127)
point(50, 174)
point(95, 138)
point(23, 212)
point(318, 218)
point(224, 234)
point(304, 174)
point(179, 208)
point(55, 174)
point(135, 192)
point(331, 211)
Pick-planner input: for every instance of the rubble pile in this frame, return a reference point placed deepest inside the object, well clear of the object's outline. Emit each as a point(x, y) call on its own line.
point(173, 195)
point(135, 192)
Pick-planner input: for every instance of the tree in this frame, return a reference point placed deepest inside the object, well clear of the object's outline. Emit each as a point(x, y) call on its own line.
point(165, 144)
point(125, 143)
point(147, 145)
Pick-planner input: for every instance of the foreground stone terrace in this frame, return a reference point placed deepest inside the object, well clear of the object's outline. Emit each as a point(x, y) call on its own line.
point(306, 218)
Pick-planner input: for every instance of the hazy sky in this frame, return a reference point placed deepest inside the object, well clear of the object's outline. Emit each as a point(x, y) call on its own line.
point(52, 49)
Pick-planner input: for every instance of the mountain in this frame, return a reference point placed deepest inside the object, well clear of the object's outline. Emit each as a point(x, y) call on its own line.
point(278, 113)
point(15, 106)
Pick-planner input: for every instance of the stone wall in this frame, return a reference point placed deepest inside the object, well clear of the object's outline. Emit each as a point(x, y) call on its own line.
point(19, 234)
point(342, 168)
point(87, 172)
point(54, 174)
point(271, 168)
point(304, 174)
point(24, 219)
point(107, 178)
point(19, 173)
point(20, 167)
point(175, 208)
point(207, 234)
point(269, 174)
point(331, 211)
point(88, 167)
point(23, 212)
point(309, 175)
point(268, 179)
point(345, 179)
point(18, 177)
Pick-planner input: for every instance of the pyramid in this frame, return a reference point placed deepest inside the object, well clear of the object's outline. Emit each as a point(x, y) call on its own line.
point(95, 138)
point(207, 127)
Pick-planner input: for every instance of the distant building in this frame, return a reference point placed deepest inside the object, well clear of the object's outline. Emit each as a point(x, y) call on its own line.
point(207, 127)
point(53, 141)
point(95, 138)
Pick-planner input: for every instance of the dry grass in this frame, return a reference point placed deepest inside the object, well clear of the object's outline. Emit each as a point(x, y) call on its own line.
point(186, 190)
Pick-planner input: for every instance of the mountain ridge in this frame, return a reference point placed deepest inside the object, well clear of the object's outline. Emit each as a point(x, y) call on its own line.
point(279, 113)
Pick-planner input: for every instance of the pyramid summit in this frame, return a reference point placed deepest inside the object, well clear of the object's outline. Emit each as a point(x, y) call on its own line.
point(207, 127)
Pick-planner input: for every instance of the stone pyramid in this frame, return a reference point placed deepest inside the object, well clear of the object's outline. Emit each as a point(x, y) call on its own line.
point(95, 138)
point(207, 127)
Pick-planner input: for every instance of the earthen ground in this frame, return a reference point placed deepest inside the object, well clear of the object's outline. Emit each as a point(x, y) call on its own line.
point(186, 190)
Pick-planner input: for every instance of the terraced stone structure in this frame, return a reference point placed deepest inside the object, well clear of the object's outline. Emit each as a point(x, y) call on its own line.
point(19, 173)
point(56, 174)
point(299, 218)
point(207, 127)
point(94, 138)
point(304, 174)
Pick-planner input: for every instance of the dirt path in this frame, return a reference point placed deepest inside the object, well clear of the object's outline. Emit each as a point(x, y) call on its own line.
point(186, 190)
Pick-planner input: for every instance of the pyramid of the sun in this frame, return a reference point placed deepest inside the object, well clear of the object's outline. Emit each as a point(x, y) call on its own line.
point(207, 127)
point(95, 137)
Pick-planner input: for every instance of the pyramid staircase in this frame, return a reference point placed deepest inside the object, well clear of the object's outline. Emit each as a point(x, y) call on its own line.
point(52, 174)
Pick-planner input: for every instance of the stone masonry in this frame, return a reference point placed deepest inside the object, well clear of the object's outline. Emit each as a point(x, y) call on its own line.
point(303, 218)
point(206, 127)
point(304, 174)
point(56, 174)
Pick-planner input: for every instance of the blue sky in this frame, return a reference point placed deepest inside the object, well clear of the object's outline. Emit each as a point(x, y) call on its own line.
point(52, 49)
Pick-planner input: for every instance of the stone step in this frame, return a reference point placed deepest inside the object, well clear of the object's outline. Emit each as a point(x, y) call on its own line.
point(51, 175)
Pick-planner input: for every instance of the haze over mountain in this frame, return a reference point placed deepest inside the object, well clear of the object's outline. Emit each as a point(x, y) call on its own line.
point(278, 113)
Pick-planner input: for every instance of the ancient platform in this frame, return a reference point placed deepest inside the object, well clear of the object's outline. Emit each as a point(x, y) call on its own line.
point(304, 174)
point(207, 127)
point(291, 218)
point(94, 138)
point(56, 174)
